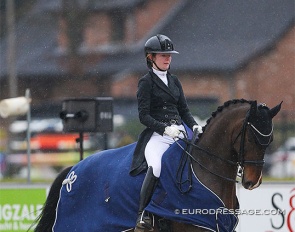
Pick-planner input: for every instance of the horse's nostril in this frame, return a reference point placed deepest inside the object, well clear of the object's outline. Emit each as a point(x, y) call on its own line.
point(248, 184)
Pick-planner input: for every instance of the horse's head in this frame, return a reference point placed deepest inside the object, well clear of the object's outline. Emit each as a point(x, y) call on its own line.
point(255, 136)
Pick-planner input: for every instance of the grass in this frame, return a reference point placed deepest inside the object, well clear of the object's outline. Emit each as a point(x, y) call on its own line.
point(25, 181)
point(273, 179)
point(49, 181)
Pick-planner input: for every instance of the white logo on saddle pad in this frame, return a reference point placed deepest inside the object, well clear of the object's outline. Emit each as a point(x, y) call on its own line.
point(69, 181)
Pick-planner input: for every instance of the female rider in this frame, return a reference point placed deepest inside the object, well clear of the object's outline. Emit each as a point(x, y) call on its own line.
point(162, 109)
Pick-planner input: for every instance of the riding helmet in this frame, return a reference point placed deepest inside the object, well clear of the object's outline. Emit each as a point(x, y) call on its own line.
point(158, 44)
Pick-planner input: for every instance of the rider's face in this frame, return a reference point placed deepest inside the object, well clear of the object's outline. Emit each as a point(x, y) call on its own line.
point(162, 60)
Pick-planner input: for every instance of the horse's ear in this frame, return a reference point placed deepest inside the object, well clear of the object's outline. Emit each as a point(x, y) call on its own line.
point(253, 109)
point(273, 112)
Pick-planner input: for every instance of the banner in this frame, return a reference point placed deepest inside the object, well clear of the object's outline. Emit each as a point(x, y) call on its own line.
point(19, 207)
point(269, 208)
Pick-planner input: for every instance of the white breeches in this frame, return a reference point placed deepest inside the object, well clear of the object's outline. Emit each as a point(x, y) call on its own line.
point(156, 147)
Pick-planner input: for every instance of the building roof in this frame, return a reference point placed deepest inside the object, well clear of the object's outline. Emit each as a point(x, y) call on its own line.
point(211, 35)
point(217, 35)
point(36, 34)
point(35, 42)
point(224, 35)
point(94, 5)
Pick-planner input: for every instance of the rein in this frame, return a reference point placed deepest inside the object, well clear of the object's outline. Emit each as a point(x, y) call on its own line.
point(203, 166)
point(241, 162)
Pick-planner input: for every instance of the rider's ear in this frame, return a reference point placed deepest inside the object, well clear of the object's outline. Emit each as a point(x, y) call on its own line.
point(273, 112)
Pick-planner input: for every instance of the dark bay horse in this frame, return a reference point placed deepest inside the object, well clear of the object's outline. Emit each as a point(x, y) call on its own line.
point(234, 138)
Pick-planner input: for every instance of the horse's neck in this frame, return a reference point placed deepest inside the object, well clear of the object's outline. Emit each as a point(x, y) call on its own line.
point(224, 189)
point(217, 141)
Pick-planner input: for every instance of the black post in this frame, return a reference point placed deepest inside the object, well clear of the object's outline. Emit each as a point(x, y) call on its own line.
point(80, 140)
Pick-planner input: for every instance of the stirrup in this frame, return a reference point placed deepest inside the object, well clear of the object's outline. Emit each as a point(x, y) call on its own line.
point(144, 221)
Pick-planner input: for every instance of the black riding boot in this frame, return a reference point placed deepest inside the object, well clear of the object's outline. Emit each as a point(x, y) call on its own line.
point(147, 190)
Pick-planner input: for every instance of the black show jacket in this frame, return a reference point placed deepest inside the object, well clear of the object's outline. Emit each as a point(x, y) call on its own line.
point(158, 104)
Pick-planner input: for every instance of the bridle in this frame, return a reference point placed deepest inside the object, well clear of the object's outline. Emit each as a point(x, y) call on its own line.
point(241, 161)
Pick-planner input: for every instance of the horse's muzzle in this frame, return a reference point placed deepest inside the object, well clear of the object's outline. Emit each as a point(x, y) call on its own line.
point(250, 185)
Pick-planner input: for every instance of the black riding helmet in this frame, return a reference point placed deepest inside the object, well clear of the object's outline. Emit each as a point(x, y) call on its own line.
point(158, 44)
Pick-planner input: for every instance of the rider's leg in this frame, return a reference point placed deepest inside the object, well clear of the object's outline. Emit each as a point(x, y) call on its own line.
point(154, 150)
point(147, 190)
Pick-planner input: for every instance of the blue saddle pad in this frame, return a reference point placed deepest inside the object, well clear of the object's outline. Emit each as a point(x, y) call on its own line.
point(100, 195)
point(199, 206)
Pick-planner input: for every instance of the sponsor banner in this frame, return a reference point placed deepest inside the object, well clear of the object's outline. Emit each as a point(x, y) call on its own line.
point(19, 207)
point(269, 208)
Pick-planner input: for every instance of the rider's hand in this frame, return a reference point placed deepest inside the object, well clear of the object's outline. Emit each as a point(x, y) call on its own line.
point(198, 127)
point(171, 131)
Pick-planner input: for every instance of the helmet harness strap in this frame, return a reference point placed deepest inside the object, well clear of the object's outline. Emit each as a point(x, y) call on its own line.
point(156, 64)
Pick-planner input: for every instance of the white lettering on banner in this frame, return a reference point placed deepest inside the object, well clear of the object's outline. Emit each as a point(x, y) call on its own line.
point(17, 212)
point(5, 212)
point(15, 226)
point(6, 226)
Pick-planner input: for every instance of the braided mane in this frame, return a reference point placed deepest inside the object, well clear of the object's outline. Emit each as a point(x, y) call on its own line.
point(220, 108)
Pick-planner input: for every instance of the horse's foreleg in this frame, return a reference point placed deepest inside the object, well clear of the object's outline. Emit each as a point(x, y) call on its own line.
point(46, 218)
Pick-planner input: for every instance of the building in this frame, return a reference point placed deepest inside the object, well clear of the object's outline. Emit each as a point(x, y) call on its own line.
point(84, 48)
